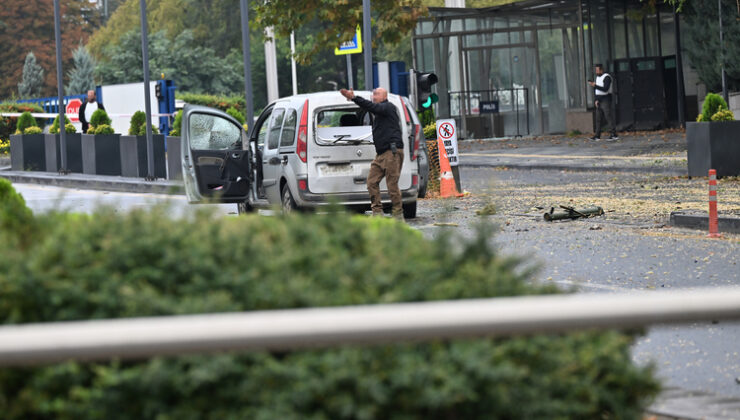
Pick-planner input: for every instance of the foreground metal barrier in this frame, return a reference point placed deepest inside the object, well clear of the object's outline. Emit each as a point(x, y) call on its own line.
point(374, 324)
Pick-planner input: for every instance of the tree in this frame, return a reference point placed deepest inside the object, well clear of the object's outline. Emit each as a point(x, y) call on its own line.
point(701, 42)
point(28, 25)
point(33, 78)
point(81, 77)
point(339, 20)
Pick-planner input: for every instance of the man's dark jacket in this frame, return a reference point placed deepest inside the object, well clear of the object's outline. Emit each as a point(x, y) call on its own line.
point(386, 127)
point(86, 123)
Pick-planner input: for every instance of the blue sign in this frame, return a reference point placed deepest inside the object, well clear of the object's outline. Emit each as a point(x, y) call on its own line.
point(353, 46)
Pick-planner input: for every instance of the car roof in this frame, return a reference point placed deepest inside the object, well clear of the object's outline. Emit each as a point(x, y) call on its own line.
point(331, 97)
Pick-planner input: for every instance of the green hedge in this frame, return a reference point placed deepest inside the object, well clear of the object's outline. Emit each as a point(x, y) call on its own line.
point(147, 263)
point(219, 102)
point(8, 124)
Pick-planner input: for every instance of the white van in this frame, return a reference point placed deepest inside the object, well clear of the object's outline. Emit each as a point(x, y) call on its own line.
point(304, 151)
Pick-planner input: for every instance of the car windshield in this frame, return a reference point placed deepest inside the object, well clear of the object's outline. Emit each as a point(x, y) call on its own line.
point(343, 126)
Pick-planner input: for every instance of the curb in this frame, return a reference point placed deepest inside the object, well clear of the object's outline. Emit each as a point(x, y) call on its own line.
point(95, 182)
point(546, 167)
point(700, 221)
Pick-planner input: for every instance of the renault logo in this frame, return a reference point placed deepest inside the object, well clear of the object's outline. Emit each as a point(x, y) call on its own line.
point(359, 153)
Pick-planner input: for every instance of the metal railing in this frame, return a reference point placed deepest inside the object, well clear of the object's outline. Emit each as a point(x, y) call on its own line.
point(360, 325)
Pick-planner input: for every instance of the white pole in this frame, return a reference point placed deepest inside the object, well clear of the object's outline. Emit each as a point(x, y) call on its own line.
point(271, 66)
point(292, 63)
point(370, 324)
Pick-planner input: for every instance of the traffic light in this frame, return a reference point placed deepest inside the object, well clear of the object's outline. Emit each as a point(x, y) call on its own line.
point(425, 97)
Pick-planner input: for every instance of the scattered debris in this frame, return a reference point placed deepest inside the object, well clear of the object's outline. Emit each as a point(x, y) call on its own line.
point(446, 224)
point(487, 210)
point(596, 227)
point(572, 213)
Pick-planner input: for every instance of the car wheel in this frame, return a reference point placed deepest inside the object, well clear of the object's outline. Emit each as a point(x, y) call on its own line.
point(244, 208)
point(409, 210)
point(288, 204)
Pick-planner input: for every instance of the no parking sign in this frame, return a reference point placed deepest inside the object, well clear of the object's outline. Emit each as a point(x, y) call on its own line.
point(447, 131)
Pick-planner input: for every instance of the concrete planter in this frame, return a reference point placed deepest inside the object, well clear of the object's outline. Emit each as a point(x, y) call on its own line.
point(174, 162)
point(54, 152)
point(713, 145)
point(134, 156)
point(101, 154)
point(27, 152)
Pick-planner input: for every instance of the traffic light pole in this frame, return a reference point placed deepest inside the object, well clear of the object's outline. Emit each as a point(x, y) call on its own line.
point(368, 47)
point(147, 97)
point(247, 63)
point(60, 99)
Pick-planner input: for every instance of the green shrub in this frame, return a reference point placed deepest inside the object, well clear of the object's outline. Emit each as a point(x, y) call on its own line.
point(219, 102)
point(137, 121)
point(103, 129)
point(24, 121)
point(67, 123)
point(426, 117)
point(33, 130)
point(99, 117)
point(723, 115)
point(177, 124)
point(16, 222)
point(430, 131)
point(70, 128)
point(4, 147)
point(236, 114)
point(142, 130)
point(148, 263)
point(712, 103)
point(8, 124)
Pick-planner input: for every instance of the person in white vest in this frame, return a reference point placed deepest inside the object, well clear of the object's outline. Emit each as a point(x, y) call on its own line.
point(87, 108)
point(604, 101)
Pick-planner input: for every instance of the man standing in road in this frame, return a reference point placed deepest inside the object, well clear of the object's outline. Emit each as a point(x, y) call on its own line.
point(604, 93)
point(87, 108)
point(388, 148)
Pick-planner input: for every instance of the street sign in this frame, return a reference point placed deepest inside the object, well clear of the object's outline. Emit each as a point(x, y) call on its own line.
point(353, 46)
point(447, 131)
point(73, 109)
point(489, 107)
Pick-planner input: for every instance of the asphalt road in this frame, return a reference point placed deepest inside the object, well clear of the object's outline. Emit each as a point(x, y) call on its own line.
point(621, 251)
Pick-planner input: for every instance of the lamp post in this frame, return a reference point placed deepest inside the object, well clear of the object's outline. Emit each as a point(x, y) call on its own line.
point(722, 53)
point(367, 48)
point(60, 93)
point(147, 98)
point(247, 62)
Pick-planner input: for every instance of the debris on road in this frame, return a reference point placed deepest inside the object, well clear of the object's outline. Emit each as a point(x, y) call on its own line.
point(572, 213)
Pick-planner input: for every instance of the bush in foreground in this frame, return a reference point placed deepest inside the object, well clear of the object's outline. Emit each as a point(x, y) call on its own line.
point(147, 263)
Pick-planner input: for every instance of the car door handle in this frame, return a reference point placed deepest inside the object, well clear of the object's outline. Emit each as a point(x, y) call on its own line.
point(274, 161)
point(285, 160)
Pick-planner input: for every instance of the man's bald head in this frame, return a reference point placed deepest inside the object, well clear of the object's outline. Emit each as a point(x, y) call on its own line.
point(380, 95)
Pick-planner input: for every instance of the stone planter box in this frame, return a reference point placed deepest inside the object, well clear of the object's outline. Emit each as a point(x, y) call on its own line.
point(27, 152)
point(101, 154)
point(134, 157)
point(713, 145)
point(174, 162)
point(54, 152)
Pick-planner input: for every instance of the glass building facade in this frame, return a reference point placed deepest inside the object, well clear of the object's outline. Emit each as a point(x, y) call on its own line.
point(523, 69)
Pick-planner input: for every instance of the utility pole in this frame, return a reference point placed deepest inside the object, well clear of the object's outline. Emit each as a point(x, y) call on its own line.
point(722, 53)
point(147, 98)
point(681, 95)
point(368, 47)
point(60, 94)
point(246, 52)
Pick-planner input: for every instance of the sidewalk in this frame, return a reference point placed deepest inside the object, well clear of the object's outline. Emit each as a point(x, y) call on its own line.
point(662, 152)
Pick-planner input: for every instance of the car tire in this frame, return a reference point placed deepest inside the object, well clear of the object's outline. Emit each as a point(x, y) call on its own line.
point(409, 210)
point(244, 208)
point(287, 203)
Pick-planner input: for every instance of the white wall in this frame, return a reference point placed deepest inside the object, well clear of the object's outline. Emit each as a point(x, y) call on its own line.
point(121, 101)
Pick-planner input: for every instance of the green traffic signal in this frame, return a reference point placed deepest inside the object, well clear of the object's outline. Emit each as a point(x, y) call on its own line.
point(430, 100)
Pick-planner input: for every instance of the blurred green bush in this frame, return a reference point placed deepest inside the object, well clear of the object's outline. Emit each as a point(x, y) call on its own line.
point(149, 263)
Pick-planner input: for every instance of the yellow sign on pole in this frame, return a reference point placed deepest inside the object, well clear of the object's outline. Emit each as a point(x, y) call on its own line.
point(353, 46)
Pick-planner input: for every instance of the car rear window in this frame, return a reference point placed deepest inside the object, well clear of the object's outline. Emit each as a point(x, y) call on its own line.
point(342, 126)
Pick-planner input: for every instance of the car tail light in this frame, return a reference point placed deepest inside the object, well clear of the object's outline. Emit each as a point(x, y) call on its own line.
point(414, 180)
point(303, 184)
point(302, 146)
point(417, 141)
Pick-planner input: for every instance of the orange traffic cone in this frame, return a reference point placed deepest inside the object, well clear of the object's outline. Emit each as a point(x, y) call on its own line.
point(447, 186)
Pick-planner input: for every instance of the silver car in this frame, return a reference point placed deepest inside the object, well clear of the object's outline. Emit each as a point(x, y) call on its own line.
point(304, 151)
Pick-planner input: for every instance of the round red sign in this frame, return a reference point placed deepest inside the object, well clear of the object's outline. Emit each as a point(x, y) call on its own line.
point(73, 109)
point(446, 130)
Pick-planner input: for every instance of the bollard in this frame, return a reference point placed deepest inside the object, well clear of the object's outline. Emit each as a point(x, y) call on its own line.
point(713, 225)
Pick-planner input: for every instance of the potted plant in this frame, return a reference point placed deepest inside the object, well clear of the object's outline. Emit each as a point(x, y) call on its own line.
point(134, 161)
point(712, 141)
point(54, 149)
point(27, 149)
point(174, 164)
point(101, 148)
